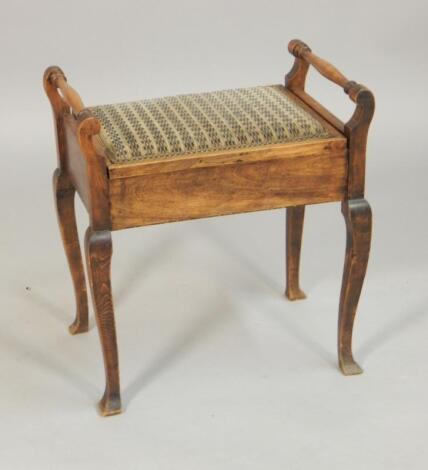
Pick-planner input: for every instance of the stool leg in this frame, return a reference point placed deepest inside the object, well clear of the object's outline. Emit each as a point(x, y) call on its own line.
point(64, 198)
point(98, 256)
point(358, 218)
point(294, 230)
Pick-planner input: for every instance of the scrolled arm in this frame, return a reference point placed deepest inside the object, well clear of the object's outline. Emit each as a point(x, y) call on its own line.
point(65, 101)
point(356, 129)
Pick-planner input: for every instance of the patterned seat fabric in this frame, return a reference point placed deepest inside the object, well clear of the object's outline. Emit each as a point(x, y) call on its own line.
point(175, 126)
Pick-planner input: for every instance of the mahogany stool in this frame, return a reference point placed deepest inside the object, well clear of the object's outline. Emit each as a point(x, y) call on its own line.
point(192, 156)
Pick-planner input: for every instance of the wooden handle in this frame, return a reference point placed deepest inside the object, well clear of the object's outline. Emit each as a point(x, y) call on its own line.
point(300, 50)
point(68, 93)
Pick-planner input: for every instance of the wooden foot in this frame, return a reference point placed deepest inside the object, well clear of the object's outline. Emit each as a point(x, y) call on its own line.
point(110, 405)
point(98, 255)
point(64, 198)
point(358, 218)
point(294, 230)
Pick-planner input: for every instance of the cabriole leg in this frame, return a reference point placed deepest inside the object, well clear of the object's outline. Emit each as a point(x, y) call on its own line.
point(98, 247)
point(64, 198)
point(358, 218)
point(294, 230)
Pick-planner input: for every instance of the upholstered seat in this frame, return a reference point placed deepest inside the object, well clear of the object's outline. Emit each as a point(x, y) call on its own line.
point(175, 126)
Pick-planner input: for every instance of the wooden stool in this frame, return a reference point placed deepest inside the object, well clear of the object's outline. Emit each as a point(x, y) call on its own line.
point(202, 155)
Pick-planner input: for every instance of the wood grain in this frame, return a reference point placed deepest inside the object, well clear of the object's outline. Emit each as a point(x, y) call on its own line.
point(358, 218)
point(76, 163)
point(64, 194)
point(98, 249)
point(293, 241)
point(328, 146)
point(68, 93)
point(356, 129)
point(302, 51)
point(64, 198)
point(221, 190)
point(317, 107)
point(96, 169)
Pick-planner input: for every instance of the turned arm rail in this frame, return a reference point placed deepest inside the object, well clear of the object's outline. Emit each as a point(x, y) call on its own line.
point(300, 50)
point(305, 57)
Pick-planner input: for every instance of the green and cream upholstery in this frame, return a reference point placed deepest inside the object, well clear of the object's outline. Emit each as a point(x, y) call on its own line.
point(176, 126)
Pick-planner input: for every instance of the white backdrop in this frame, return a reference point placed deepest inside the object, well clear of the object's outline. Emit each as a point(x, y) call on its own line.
point(218, 369)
